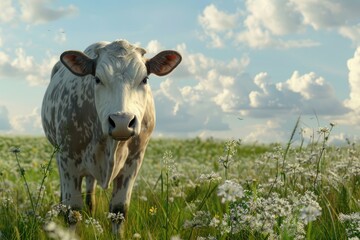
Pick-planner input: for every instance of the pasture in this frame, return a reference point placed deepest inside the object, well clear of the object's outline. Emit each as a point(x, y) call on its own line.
point(195, 189)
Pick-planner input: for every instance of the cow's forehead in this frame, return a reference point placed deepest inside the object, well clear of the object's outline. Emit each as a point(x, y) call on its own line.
point(121, 58)
point(122, 48)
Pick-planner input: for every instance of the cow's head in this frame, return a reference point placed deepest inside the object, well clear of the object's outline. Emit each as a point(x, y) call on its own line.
point(120, 75)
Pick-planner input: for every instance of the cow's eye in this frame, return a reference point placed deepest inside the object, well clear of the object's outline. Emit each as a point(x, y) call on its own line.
point(97, 80)
point(145, 80)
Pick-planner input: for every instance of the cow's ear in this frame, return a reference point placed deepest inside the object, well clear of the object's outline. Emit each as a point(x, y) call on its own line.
point(78, 63)
point(163, 63)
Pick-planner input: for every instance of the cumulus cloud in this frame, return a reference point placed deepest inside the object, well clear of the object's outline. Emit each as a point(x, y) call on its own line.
point(224, 88)
point(185, 116)
point(39, 11)
point(8, 11)
point(24, 66)
point(354, 81)
point(277, 23)
point(29, 123)
point(327, 14)
point(194, 107)
point(153, 47)
point(215, 21)
point(270, 131)
point(300, 94)
point(352, 33)
point(353, 102)
point(4, 119)
point(33, 11)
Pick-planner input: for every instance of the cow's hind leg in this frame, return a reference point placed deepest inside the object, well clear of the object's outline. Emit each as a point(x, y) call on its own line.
point(90, 193)
point(121, 196)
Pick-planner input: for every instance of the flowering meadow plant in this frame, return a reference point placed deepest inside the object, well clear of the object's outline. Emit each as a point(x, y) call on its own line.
point(194, 189)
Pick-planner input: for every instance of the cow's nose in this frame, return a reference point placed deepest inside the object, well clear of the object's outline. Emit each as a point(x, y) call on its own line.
point(122, 125)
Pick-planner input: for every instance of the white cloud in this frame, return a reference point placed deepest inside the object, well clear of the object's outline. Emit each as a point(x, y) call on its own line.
point(28, 124)
point(194, 107)
point(300, 94)
point(23, 66)
point(354, 81)
point(280, 23)
point(327, 14)
point(272, 131)
point(21, 61)
point(154, 47)
point(186, 117)
point(276, 16)
point(215, 22)
point(198, 65)
point(38, 11)
point(352, 33)
point(8, 11)
point(4, 119)
point(342, 139)
point(4, 58)
point(223, 88)
point(42, 74)
point(353, 102)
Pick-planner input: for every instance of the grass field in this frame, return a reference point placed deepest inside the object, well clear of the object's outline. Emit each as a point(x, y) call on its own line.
point(195, 189)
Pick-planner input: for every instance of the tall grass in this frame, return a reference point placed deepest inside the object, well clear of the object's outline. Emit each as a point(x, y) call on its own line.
point(195, 189)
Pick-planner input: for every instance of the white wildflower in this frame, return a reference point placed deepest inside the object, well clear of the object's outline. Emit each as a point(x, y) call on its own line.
point(211, 177)
point(116, 217)
point(136, 236)
point(176, 237)
point(206, 238)
point(309, 213)
point(201, 219)
point(310, 208)
point(215, 221)
point(55, 211)
point(323, 130)
point(91, 222)
point(55, 231)
point(351, 223)
point(230, 191)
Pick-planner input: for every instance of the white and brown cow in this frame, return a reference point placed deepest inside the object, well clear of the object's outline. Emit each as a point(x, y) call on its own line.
point(99, 109)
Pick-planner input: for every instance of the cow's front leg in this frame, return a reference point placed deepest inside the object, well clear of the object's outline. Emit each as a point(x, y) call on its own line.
point(121, 196)
point(70, 192)
point(90, 193)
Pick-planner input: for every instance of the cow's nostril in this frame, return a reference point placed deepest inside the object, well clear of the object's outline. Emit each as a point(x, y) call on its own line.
point(112, 123)
point(132, 123)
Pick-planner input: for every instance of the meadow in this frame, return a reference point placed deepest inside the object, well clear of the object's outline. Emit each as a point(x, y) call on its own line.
point(195, 189)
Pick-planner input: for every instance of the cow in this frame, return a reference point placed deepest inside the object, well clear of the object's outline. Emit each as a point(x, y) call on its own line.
point(99, 110)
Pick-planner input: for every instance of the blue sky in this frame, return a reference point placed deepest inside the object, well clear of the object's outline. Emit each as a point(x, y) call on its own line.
point(250, 68)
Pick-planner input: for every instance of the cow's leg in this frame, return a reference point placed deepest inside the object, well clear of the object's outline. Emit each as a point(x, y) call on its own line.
point(121, 195)
point(90, 193)
point(70, 181)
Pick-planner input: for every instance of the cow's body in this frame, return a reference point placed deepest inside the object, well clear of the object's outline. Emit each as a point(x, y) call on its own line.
point(102, 128)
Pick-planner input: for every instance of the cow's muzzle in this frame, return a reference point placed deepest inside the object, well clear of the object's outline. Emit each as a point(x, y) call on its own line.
point(122, 126)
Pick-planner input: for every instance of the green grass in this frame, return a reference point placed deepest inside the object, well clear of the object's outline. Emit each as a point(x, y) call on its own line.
point(196, 189)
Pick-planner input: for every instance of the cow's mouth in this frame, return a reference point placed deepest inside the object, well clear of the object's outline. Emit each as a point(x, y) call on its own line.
point(121, 138)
